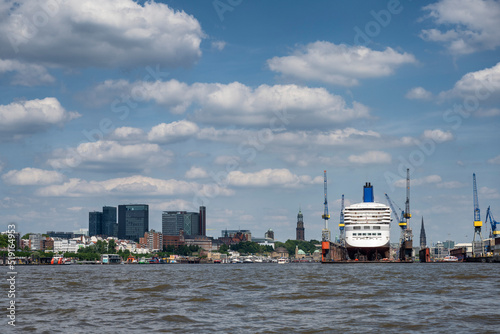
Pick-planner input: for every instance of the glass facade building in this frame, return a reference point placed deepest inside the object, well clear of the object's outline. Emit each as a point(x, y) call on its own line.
point(133, 221)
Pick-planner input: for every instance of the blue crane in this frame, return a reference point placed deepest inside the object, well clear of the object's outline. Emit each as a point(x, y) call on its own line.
point(401, 220)
point(493, 223)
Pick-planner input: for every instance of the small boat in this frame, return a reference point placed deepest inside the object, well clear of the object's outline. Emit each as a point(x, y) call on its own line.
point(57, 260)
point(247, 260)
point(450, 258)
point(282, 261)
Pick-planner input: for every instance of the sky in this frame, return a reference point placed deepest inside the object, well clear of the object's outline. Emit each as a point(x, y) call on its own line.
point(241, 105)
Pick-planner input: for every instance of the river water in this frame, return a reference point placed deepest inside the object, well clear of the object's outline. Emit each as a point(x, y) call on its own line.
point(257, 298)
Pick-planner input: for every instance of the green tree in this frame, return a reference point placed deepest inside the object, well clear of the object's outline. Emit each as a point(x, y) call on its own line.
point(223, 249)
point(26, 236)
point(4, 240)
point(111, 246)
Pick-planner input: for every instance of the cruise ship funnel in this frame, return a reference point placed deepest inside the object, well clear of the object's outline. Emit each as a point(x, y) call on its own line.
point(368, 193)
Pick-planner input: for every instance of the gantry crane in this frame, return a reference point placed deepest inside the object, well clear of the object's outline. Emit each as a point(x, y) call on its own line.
point(477, 246)
point(325, 234)
point(494, 232)
point(406, 238)
point(341, 223)
point(401, 220)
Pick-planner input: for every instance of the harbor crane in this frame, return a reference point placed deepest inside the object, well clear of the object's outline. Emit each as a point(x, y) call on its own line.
point(494, 232)
point(406, 238)
point(325, 233)
point(477, 240)
point(393, 205)
point(341, 223)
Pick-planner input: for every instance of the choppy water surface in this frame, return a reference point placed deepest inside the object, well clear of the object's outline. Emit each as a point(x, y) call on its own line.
point(258, 298)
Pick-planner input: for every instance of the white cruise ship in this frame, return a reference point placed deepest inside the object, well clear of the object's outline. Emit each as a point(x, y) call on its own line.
point(367, 228)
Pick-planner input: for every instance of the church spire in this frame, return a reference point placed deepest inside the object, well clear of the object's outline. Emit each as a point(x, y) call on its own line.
point(423, 238)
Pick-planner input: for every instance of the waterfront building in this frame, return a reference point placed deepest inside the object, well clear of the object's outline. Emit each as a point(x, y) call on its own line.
point(152, 240)
point(203, 221)
point(95, 223)
point(173, 240)
point(109, 224)
point(449, 244)
point(47, 244)
point(264, 241)
point(133, 221)
point(62, 235)
point(201, 241)
point(299, 253)
point(65, 245)
point(36, 241)
point(81, 232)
point(247, 235)
point(269, 234)
point(192, 223)
point(300, 233)
point(279, 253)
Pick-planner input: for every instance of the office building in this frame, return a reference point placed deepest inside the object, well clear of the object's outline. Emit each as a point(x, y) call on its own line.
point(152, 240)
point(95, 223)
point(203, 221)
point(133, 221)
point(109, 224)
point(191, 223)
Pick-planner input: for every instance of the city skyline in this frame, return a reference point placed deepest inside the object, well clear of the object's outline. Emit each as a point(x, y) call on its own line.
point(241, 106)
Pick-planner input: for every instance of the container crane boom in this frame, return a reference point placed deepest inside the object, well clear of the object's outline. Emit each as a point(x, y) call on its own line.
point(393, 205)
point(493, 223)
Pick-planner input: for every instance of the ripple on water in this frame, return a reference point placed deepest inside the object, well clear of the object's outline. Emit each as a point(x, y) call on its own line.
point(177, 319)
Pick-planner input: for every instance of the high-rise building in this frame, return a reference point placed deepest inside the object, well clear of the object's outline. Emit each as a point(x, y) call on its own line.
point(109, 225)
point(133, 221)
point(202, 225)
point(269, 234)
point(152, 240)
point(423, 238)
point(300, 226)
point(95, 223)
point(192, 223)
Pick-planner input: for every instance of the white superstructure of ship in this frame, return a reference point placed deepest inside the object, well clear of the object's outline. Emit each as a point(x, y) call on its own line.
point(367, 228)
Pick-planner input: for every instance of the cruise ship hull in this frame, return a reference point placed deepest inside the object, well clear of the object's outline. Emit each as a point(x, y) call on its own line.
point(368, 253)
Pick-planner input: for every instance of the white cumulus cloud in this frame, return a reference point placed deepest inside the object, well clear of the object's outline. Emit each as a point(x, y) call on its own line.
point(371, 157)
point(271, 177)
point(339, 64)
point(237, 104)
point(480, 85)
point(32, 176)
point(196, 173)
point(418, 93)
point(468, 26)
point(26, 74)
point(24, 118)
point(438, 135)
point(110, 156)
point(430, 179)
point(172, 132)
point(136, 185)
point(100, 33)
point(495, 160)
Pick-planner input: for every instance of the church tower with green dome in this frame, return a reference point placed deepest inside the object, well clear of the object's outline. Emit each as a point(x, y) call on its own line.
point(300, 226)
